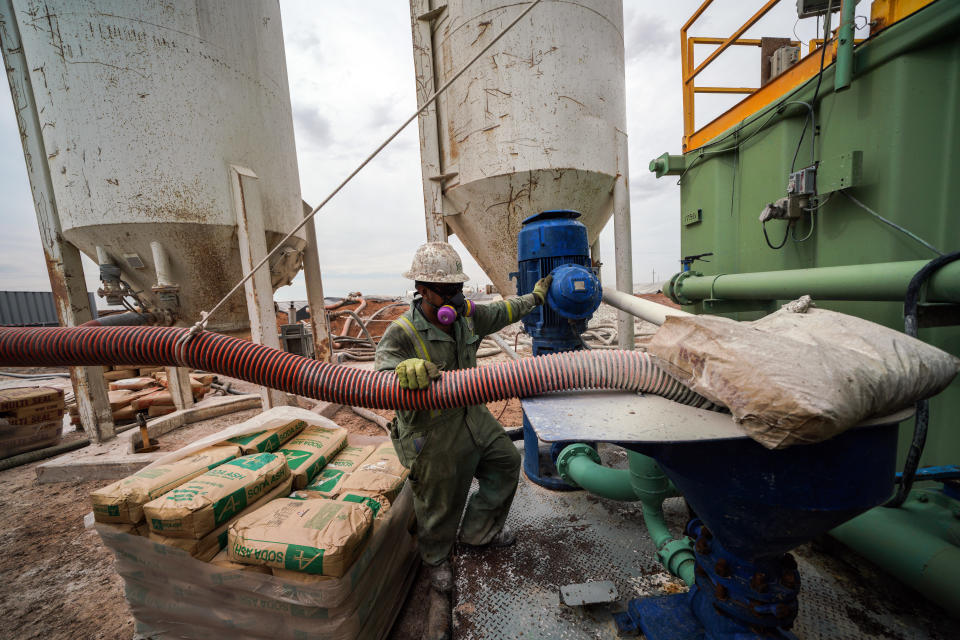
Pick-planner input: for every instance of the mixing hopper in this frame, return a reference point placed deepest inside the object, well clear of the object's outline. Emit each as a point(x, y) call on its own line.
point(537, 123)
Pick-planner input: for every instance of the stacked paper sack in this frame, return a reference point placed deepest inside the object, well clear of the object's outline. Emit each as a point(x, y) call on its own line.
point(30, 418)
point(318, 562)
point(136, 389)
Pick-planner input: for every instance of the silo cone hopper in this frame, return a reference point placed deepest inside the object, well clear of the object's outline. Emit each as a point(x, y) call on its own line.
point(537, 123)
point(753, 505)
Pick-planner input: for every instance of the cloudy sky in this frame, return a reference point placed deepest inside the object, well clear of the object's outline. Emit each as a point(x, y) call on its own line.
point(351, 77)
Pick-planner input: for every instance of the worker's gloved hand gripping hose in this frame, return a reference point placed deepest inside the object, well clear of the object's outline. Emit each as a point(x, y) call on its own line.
point(78, 346)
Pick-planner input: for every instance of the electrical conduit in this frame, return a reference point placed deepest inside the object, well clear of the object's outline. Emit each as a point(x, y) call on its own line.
point(579, 464)
point(262, 365)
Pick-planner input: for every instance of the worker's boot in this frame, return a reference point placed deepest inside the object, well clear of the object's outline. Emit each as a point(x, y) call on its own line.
point(504, 538)
point(441, 577)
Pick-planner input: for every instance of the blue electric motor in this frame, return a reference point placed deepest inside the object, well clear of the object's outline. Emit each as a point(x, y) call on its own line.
point(553, 242)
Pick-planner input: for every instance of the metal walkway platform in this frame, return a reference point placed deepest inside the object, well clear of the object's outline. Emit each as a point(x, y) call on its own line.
point(574, 537)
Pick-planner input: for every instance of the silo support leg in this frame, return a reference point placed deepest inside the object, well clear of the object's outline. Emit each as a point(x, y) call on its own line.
point(178, 383)
point(623, 245)
point(63, 259)
point(252, 239)
point(314, 281)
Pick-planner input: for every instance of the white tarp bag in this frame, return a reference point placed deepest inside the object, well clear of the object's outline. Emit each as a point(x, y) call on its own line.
point(801, 375)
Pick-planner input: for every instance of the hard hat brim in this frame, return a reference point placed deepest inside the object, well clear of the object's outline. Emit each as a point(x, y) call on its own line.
point(433, 277)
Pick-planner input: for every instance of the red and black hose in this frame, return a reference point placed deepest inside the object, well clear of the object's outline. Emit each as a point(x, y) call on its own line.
point(78, 346)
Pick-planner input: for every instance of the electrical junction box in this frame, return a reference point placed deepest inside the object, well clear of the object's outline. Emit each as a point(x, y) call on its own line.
point(810, 8)
point(782, 59)
point(803, 182)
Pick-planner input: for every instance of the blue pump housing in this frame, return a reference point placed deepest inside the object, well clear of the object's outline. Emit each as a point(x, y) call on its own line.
point(555, 242)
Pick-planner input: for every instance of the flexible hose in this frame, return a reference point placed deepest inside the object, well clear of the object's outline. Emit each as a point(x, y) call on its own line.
point(911, 326)
point(262, 365)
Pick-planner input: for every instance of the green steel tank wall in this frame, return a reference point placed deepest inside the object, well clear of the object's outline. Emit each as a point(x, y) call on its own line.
point(902, 112)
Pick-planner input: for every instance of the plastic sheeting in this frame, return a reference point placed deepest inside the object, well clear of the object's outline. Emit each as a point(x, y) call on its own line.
point(173, 595)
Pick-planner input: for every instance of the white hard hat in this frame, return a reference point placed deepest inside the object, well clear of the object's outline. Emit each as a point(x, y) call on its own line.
point(436, 262)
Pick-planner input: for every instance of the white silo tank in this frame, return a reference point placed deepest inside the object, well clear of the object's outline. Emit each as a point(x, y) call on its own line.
point(145, 106)
point(537, 123)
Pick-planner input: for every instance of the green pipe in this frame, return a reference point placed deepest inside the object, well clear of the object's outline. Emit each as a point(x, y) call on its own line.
point(844, 73)
point(879, 281)
point(916, 543)
point(579, 464)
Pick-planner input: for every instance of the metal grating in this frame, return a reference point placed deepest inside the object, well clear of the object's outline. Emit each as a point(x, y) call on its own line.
point(572, 537)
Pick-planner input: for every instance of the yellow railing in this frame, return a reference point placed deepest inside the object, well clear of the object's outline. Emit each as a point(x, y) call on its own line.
point(693, 138)
point(883, 14)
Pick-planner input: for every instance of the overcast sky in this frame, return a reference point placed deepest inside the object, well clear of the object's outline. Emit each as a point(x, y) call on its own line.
point(351, 75)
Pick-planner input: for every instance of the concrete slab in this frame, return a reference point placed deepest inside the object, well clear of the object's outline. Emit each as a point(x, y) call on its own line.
point(109, 461)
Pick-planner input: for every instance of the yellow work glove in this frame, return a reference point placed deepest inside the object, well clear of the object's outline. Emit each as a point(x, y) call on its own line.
point(540, 289)
point(416, 373)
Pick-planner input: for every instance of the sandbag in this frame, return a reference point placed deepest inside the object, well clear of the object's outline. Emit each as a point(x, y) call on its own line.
point(317, 537)
point(223, 561)
point(199, 506)
point(270, 439)
point(123, 500)
point(208, 546)
point(309, 452)
point(801, 375)
point(378, 504)
point(23, 397)
point(325, 484)
point(133, 384)
point(351, 457)
point(380, 473)
point(16, 439)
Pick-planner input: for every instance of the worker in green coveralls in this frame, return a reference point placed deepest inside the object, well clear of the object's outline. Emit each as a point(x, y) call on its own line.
point(446, 449)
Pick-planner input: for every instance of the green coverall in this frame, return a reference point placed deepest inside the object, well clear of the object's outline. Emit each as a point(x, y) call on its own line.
point(446, 449)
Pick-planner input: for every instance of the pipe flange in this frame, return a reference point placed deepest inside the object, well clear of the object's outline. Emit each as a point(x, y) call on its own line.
point(674, 553)
point(676, 287)
point(569, 453)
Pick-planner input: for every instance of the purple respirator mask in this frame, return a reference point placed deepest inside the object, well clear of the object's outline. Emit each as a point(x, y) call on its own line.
point(453, 305)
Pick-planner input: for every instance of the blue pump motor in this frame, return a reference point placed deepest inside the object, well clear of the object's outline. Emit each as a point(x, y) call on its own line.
point(554, 242)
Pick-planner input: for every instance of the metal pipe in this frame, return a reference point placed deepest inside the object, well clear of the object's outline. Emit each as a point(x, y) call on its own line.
point(582, 468)
point(844, 72)
point(579, 465)
point(161, 264)
point(643, 309)
point(379, 420)
point(879, 281)
point(913, 543)
point(506, 348)
point(623, 244)
point(130, 319)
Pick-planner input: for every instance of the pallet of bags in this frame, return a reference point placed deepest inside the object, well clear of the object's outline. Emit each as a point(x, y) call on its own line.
point(30, 418)
point(174, 595)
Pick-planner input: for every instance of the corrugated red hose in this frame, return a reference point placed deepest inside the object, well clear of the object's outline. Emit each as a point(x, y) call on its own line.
point(59, 346)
